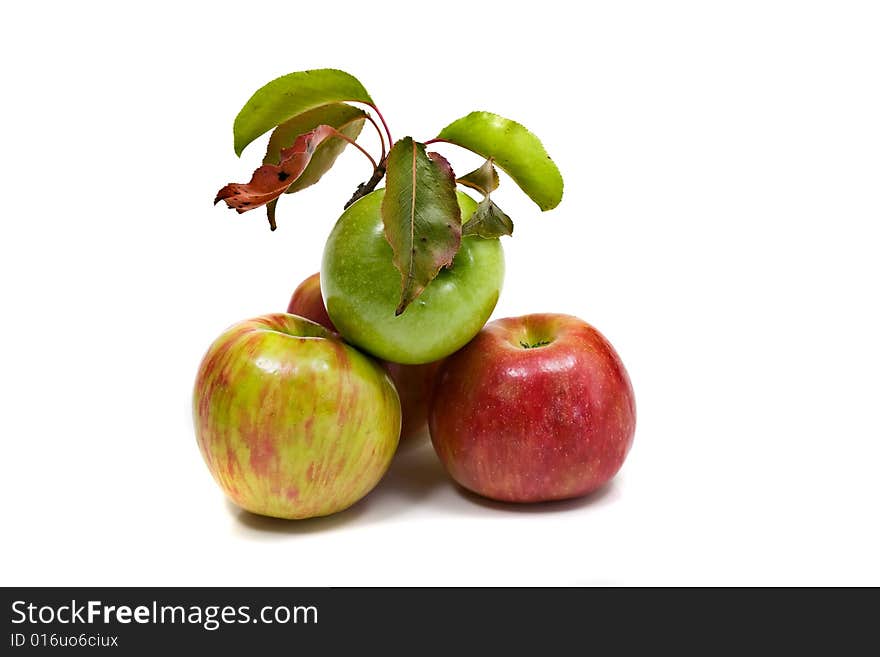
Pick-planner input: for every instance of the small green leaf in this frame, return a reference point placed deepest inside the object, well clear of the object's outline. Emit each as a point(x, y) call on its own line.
point(421, 215)
point(346, 119)
point(515, 150)
point(484, 179)
point(488, 221)
point(291, 95)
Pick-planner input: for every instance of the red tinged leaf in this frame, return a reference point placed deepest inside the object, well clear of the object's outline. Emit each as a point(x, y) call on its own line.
point(271, 180)
point(443, 165)
point(346, 119)
point(421, 215)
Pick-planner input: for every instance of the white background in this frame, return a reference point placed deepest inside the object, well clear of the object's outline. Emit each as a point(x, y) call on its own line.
point(719, 225)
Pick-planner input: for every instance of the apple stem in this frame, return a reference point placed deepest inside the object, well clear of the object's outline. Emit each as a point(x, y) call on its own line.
point(378, 169)
point(384, 124)
point(351, 141)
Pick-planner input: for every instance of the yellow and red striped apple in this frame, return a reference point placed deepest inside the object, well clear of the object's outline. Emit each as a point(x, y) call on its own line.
point(534, 408)
point(291, 421)
point(414, 383)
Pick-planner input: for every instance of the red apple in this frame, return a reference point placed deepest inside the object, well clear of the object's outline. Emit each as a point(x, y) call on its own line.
point(306, 302)
point(534, 408)
point(414, 383)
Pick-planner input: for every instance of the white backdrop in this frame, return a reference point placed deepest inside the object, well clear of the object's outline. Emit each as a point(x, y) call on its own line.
point(719, 226)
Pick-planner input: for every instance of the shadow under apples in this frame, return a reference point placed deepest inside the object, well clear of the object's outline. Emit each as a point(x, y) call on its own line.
point(253, 523)
point(607, 493)
point(414, 475)
point(417, 475)
point(415, 481)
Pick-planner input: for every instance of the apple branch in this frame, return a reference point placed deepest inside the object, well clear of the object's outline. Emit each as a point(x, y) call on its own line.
point(379, 169)
point(366, 187)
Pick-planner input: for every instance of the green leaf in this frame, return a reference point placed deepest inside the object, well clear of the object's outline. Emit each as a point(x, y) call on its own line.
point(484, 179)
point(346, 119)
point(515, 150)
point(291, 95)
point(488, 221)
point(421, 215)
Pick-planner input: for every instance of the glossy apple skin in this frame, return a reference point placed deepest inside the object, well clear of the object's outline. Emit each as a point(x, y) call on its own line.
point(291, 421)
point(414, 383)
point(415, 386)
point(361, 289)
point(549, 422)
point(306, 302)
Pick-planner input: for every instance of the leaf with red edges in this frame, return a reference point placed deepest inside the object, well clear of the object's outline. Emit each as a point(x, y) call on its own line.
point(443, 166)
point(421, 215)
point(346, 119)
point(270, 180)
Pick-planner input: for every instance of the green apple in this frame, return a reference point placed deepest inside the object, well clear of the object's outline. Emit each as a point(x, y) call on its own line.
point(291, 421)
point(361, 289)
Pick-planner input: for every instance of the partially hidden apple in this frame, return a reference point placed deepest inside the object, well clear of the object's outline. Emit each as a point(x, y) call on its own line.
point(306, 302)
point(535, 408)
point(414, 383)
point(291, 421)
point(361, 288)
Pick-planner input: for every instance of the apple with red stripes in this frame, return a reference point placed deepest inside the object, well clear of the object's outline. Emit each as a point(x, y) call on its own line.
point(414, 383)
point(291, 421)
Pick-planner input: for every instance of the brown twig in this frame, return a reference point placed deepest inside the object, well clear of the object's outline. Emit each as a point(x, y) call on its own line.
point(366, 187)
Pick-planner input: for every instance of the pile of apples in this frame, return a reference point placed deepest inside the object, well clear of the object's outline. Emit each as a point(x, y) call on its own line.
point(295, 418)
point(299, 414)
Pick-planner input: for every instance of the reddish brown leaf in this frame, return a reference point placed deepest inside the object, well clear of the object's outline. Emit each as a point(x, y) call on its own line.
point(270, 180)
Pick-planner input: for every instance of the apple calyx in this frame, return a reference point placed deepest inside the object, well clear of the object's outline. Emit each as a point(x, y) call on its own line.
point(312, 121)
point(535, 333)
